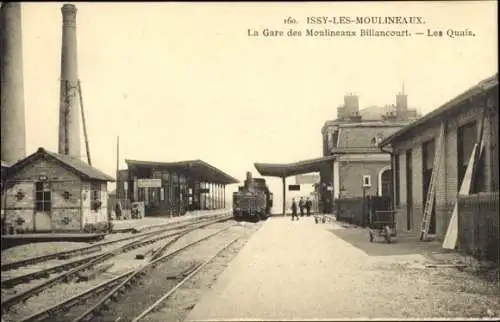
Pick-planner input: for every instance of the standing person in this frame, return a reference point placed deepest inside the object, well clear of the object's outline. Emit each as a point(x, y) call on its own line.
point(294, 210)
point(308, 206)
point(301, 206)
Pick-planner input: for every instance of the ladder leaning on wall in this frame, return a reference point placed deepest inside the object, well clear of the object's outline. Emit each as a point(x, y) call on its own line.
point(429, 204)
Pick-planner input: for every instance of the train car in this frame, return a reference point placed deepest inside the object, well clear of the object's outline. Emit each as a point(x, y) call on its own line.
point(253, 201)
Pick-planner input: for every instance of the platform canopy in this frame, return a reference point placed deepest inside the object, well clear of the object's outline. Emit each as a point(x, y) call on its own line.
point(283, 170)
point(197, 169)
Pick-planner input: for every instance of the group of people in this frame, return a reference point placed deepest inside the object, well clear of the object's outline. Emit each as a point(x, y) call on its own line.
point(303, 204)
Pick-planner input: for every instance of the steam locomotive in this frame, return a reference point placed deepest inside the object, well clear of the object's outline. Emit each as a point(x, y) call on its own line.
point(253, 201)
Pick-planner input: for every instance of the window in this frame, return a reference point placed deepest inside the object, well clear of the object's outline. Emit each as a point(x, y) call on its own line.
point(43, 197)
point(95, 195)
point(428, 154)
point(367, 182)
point(466, 138)
point(335, 138)
point(479, 179)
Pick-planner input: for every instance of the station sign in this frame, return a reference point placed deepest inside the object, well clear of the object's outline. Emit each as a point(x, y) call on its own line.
point(148, 183)
point(306, 178)
point(294, 187)
point(204, 190)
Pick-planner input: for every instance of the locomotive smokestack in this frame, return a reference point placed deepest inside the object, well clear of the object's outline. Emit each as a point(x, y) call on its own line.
point(13, 132)
point(69, 119)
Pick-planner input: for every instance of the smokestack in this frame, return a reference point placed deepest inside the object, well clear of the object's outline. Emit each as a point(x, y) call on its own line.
point(69, 119)
point(13, 131)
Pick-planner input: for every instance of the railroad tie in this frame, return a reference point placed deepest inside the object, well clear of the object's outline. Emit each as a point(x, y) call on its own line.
point(181, 272)
point(145, 254)
point(92, 273)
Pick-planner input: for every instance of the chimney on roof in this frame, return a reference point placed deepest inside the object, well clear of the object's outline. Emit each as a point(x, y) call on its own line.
point(355, 117)
point(351, 104)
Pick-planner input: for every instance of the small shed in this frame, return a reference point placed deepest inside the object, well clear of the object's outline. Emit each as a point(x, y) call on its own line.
point(51, 192)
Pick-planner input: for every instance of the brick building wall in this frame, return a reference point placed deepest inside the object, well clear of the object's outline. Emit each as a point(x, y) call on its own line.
point(69, 202)
point(447, 180)
point(62, 215)
point(351, 175)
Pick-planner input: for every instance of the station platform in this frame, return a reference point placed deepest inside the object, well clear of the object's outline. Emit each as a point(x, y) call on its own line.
point(150, 222)
point(9, 241)
point(302, 271)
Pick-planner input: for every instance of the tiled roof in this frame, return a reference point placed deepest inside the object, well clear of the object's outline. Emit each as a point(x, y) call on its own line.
point(350, 137)
point(373, 112)
point(81, 168)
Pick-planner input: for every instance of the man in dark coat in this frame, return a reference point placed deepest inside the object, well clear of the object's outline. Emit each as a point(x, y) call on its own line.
point(308, 206)
point(294, 210)
point(301, 206)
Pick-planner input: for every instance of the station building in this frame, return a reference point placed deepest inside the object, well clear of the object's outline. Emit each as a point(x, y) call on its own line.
point(352, 165)
point(173, 188)
point(51, 192)
point(360, 168)
point(413, 149)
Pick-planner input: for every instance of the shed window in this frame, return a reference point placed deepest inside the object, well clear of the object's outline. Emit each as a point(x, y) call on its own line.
point(95, 195)
point(95, 190)
point(43, 196)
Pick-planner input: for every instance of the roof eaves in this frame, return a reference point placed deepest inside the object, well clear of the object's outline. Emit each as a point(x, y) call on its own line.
point(477, 89)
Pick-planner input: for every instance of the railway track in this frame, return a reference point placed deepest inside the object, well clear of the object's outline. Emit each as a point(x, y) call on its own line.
point(81, 265)
point(92, 248)
point(71, 309)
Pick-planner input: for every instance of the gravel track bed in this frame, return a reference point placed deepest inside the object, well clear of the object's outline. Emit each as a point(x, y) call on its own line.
point(22, 252)
point(55, 262)
point(121, 263)
point(152, 286)
point(178, 306)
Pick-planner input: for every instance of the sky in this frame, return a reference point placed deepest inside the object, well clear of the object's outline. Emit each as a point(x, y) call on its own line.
point(180, 81)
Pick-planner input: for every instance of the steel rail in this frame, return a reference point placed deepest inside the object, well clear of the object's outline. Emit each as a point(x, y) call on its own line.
point(87, 249)
point(139, 272)
point(6, 304)
point(178, 285)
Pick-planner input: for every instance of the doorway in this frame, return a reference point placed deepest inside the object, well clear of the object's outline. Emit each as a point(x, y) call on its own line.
point(428, 153)
point(43, 207)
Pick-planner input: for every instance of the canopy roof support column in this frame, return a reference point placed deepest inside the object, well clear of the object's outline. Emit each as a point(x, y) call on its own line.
point(283, 179)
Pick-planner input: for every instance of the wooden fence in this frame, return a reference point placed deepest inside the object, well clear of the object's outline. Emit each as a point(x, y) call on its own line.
point(478, 224)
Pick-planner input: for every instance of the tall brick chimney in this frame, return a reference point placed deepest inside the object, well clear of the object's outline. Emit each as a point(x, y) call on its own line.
point(13, 123)
point(69, 114)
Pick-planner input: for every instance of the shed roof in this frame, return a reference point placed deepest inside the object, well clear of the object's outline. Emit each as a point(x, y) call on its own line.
point(5, 164)
point(448, 107)
point(77, 166)
point(198, 169)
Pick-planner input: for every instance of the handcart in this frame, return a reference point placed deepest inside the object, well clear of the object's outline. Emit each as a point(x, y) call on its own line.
point(323, 218)
point(382, 224)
